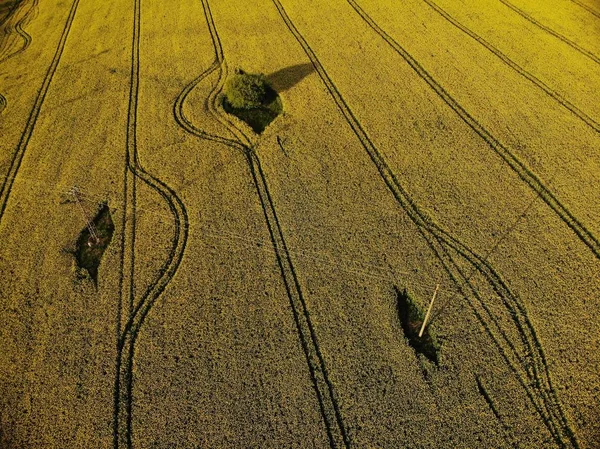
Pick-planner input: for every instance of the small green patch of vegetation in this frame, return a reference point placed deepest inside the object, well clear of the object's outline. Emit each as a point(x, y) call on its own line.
point(89, 251)
point(246, 90)
point(251, 98)
point(411, 316)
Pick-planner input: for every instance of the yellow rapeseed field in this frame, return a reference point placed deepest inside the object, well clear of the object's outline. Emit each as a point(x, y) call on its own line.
point(249, 296)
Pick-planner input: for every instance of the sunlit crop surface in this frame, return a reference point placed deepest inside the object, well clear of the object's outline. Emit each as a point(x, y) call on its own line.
point(173, 277)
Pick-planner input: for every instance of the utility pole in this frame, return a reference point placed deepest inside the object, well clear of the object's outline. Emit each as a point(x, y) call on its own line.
point(428, 311)
point(94, 239)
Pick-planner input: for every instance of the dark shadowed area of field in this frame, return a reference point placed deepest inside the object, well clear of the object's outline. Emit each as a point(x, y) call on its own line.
point(6, 6)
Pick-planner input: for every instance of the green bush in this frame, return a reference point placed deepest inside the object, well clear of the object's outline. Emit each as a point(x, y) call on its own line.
point(247, 91)
point(411, 317)
point(251, 98)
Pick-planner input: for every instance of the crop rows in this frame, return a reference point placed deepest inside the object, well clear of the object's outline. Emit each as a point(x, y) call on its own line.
point(530, 365)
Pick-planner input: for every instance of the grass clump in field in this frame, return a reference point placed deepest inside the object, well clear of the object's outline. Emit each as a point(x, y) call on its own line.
point(252, 99)
point(89, 252)
point(411, 316)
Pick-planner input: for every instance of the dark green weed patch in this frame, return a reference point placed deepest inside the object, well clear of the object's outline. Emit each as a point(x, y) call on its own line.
point(411, 316)
point(89, 252)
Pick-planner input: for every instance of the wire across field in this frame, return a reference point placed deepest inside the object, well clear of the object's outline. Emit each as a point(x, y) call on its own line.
point(441, 242)
point(331, 164)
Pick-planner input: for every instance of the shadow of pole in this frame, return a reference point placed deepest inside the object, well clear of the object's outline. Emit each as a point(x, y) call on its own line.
point(288, 77)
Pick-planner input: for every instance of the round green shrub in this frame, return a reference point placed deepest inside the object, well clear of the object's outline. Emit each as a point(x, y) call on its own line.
point(246, 90)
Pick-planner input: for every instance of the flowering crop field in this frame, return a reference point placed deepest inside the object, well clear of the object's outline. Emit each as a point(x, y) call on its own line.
point(244, 289)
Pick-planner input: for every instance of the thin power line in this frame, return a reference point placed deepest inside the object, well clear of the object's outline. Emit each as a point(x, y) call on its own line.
point(350, 265)
point(346, 264)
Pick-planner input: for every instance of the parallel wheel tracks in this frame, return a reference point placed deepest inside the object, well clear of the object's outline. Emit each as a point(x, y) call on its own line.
point(17, 158)
point(587, 8)
point(123, 393)
point(528, 176)
point(436, 237)
point(513, 65)
point(329, 408)
point(529, 365)
point(137, 312)
point(550, 31)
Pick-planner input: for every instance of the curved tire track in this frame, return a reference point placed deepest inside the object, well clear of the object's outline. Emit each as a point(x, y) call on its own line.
point(137, 312)
point(513, 65)
point(329, 408)
point(7, 42)
point(5, 53)
point(17, 158)
point(183, 121)
point(529, 365)
point(550, 31)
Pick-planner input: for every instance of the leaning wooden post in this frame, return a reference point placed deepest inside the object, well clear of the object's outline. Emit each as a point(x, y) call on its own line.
point(428, 311)
point(89, 223)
